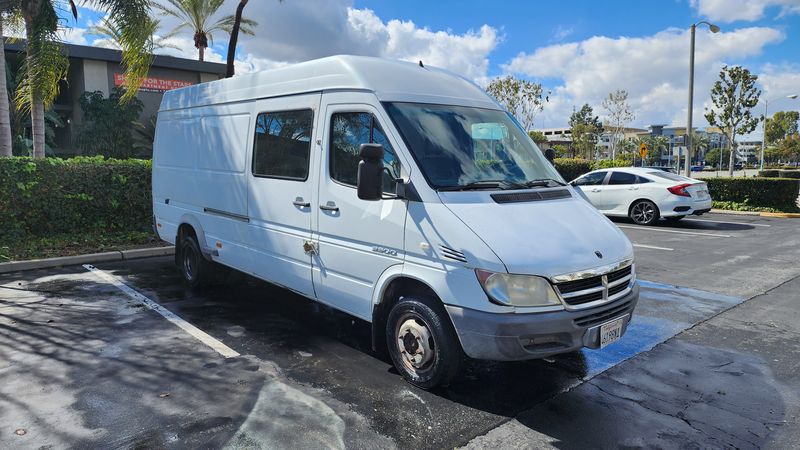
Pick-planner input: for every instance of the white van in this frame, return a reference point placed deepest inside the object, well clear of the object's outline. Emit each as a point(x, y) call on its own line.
point(400, 194)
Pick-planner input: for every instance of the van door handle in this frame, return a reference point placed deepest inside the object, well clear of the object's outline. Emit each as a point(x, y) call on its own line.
point(301, 204)
point(595, 190)
point(330, 206)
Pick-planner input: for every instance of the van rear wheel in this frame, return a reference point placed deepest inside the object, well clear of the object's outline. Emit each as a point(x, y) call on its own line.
point(193, 267)
point(422, 342)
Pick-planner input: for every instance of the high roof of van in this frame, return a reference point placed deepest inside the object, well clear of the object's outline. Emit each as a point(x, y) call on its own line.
point(390, 80)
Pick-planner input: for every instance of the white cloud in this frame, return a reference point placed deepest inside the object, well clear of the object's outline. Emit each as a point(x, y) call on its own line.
point(74, 36)
point(653, 69)
point(299, 31)
point(749, 10)
point(778, 82)
point(561, 32)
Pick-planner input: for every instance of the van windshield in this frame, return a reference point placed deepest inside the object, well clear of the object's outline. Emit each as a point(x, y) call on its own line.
point(458, 146)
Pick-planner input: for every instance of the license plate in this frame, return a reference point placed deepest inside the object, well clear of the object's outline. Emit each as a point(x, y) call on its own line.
point(611, 331)
point(702, 194)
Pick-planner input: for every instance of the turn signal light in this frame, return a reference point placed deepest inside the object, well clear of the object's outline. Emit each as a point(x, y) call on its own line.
point(680, 190)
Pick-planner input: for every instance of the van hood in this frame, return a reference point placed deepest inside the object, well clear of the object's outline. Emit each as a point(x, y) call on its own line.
point(546, 238)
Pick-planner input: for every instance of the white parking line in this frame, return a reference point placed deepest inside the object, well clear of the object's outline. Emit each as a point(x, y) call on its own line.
point(653, 247)
point(732, 223)
point(195, 332)
point(674, 231)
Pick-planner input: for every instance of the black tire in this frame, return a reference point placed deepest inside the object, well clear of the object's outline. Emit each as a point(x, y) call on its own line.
point(644, 212)
point(194, 268)
point(440, 360)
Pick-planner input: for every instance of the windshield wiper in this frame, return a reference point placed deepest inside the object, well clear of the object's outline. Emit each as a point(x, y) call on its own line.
point(542, 182)
point(484, 184)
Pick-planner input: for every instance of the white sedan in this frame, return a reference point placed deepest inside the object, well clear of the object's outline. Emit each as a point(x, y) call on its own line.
point(644, 194)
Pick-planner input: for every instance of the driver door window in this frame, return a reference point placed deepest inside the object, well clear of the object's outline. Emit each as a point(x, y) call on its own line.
point(350, 130)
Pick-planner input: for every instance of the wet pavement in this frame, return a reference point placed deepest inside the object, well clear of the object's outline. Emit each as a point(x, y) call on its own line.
point(82, 364)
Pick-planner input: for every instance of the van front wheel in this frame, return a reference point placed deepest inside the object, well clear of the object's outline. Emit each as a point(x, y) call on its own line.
point(422, 343)
point(194, 268)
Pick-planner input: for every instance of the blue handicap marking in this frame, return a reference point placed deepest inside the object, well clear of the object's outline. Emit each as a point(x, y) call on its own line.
point(663, 312)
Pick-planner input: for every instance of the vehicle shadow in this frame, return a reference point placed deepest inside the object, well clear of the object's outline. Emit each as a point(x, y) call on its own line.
point(318, 346)
point(690, 224)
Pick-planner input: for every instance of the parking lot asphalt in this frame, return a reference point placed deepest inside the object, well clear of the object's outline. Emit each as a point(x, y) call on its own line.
point(84, 364)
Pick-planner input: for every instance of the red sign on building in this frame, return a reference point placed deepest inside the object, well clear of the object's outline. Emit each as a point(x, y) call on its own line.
point(152, 84)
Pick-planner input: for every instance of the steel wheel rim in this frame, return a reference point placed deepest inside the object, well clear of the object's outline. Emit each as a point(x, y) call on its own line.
point(643, 212)
point(422, 357)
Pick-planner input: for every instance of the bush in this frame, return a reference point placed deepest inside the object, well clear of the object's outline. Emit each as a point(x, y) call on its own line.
point(780, 193)
point(39, 197)
point(769, 173)
point(789, 173)
point(571, 168)
point(609, 163)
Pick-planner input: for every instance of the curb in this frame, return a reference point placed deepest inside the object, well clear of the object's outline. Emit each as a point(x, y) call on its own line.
point(736, 213)
point(117, 255)
point(781, 215)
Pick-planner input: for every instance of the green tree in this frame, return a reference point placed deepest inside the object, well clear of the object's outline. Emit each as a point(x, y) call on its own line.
point(789, 148)
point(562, 151)
point(713, 156)
point(538, 137)
point(699, 141)
point(655, 147)
point(197, 16)
point(108, 124)
point(734, 95)
point(781, 124)
point(46, 63)
point(521, 98)
point(584, 128)
point(619, 114)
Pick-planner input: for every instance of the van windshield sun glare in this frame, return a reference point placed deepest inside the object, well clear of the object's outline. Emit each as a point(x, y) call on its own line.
point(463, 148)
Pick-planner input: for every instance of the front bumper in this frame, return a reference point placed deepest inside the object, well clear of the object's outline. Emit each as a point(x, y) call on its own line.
point(513, 337)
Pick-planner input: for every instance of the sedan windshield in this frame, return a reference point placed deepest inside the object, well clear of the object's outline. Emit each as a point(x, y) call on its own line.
point(459, 147)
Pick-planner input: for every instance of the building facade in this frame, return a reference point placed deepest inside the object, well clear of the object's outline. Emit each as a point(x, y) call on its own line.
point(99, 69)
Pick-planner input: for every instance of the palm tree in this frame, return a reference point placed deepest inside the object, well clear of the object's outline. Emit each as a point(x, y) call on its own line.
point(5, 111)
point(112, 31)
point(197, 16)
point(46, 64)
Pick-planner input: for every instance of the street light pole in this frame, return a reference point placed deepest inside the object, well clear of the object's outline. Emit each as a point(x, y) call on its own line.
point(714, 29)
point(764, 136)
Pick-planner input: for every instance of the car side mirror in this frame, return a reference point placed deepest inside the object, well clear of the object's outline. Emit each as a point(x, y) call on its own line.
point(370, 172)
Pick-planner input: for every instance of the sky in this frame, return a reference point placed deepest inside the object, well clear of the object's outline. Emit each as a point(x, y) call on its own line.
point(579, 50)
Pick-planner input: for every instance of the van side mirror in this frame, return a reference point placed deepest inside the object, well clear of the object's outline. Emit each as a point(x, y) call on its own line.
point(370, 172)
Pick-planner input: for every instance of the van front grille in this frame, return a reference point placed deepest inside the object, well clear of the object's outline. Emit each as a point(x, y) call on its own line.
point(597, 288)
point(601, 317)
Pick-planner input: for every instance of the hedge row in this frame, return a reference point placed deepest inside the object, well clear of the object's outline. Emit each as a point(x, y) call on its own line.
point(776, 173)
point(43, 196)
point(780, 193)
point(571, 168)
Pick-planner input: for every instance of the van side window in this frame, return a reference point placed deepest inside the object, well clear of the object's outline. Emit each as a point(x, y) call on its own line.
point(348, 132)
point(283, 144)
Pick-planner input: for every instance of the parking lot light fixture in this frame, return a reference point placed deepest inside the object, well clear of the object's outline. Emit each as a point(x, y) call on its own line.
point(714, 29)
point(764, 135)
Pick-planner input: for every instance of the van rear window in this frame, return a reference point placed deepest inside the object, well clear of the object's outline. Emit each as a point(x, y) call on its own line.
point(283, 144)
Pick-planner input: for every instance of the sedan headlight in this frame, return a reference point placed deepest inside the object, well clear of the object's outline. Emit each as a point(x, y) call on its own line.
point(517, 290)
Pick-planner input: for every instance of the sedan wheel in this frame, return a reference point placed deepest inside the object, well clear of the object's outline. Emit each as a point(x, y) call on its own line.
point(644, 212)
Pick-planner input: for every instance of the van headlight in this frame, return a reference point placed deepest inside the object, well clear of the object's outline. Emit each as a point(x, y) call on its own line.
point(517, 290)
